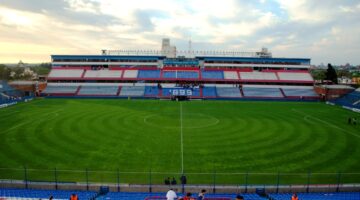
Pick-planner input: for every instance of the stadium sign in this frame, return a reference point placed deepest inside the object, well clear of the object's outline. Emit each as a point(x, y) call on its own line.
point(181, 92)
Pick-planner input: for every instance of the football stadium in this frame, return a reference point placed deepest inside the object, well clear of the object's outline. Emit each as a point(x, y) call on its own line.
point(133, 124)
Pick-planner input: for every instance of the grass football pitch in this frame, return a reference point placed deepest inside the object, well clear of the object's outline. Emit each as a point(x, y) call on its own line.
point(229, 142)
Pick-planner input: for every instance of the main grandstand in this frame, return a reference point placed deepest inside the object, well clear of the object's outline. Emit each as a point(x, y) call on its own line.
point(168, 74)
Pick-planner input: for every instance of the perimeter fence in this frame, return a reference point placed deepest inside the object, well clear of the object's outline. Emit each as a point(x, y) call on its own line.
point(151, 178)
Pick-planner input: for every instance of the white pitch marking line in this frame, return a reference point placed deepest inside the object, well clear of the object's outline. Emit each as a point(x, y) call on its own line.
point(216, 121)
point(181, 139)
point(325, 122)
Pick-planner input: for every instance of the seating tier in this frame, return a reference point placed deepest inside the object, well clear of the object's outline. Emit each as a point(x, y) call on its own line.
point(301, 92)
point(295, 76)
point(231, 75)
point(132, 91)
point(52, 89)
point(130, 73)
point(103, 74)
point(149, 74)
point(258, 76)
point(68, 73)
point(212, 74)
point(98, 90)
point(228, 92)
point(262, 92)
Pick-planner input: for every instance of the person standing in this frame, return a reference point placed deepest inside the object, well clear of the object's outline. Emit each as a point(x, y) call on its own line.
point(167, 181)
point(239, 197)
point(74, 197)
point(171, 195)
point(173, 181)
point(183, 179)
point(188, 196)
point(201, 195)
point(294, 197)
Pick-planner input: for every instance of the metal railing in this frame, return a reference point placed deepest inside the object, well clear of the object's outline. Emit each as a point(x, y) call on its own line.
point(151, 178)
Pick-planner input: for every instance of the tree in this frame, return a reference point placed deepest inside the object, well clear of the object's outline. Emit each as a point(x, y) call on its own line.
point(42, 69)
point(331, 74)
point(344, 73)
point(318, 74)
point(18, 73)
point(4, 72)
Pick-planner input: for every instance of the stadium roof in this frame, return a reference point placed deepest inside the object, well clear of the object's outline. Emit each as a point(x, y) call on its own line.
point(208, 58)
point(104, 56)
point(250, 59)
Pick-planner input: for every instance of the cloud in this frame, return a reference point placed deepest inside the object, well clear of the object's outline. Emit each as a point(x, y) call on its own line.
point(326, 31)
point(67, 11)
point(144, 19)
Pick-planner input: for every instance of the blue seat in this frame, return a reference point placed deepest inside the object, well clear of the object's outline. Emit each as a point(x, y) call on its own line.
point(196, 92)
point(58, 89)
point(149, 196)
point(151, 91)
point(149, 74)
point(181, 74)
point(349, 100)
point(319, 196)
point(36, 193)
point(212, 74)
point(209, 92)
point(169, 74)
point(232, 92)
point(98, 90)
point(166, 92)
point(6, 89)
point(305, 92)
point(187, 74)
point(262, 92)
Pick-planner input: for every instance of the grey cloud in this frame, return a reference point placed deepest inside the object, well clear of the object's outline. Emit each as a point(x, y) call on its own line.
point(85, 18)
point(35, 5)
point(59, 9)
point(143, 19)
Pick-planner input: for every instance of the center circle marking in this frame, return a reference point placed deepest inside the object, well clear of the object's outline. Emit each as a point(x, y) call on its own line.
point(212, 121)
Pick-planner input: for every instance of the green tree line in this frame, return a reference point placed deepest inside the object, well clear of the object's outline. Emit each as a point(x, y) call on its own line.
point(330, 74)
point(17, 72)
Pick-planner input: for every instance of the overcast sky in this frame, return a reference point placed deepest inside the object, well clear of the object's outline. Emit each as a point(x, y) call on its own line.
point(323, 30)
